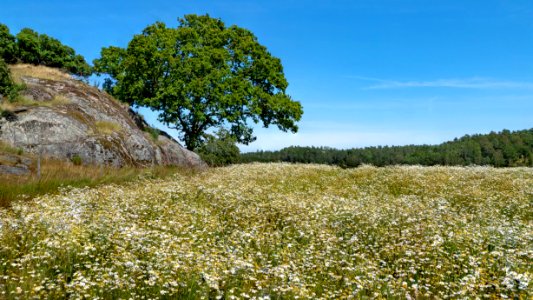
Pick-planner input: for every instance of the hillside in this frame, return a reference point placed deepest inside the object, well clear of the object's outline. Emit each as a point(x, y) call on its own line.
point(278, 231)
point(64, 118)
point(502, 149)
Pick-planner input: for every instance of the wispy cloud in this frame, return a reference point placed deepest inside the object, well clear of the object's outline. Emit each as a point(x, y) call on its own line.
point(460, 83)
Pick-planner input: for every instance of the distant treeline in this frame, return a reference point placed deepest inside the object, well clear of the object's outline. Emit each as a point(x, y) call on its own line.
point(502, 149)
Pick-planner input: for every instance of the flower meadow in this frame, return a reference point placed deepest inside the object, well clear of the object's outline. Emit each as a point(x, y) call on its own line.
point(278, 231)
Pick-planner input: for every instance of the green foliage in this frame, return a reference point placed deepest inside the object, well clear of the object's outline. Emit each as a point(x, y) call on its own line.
point(40, 49)
point(28, 46)
point(8, 115)
point(110, 63)
point(8, 89)
point(504, 149)
point(220, 150)
point(76, 160)
point(201, 75)
point(6, 82)
point(8, 45)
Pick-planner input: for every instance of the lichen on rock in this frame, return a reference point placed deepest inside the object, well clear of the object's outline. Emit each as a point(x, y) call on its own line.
point(64, 118)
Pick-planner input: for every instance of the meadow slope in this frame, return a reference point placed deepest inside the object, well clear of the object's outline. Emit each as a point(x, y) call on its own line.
point(271, 231)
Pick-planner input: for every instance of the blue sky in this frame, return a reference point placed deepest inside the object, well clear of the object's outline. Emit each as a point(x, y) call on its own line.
point(372, 72)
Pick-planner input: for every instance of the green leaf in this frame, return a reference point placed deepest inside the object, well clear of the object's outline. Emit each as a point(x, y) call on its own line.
point(201, 75)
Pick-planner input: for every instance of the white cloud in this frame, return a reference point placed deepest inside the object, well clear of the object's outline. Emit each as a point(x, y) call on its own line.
point(462, 83)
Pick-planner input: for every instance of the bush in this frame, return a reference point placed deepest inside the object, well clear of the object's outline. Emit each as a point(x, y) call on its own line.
point(220, 150)
point(76, 160)
point(8, 89)
point(8, 45)
point(28, 46)
point(40, 49)
point(8, 115)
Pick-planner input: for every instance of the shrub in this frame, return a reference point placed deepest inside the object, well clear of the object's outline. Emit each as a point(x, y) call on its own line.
point(8, 89)
point(8, 45)
point(76, 160)
point(40, 49)
point(8, 115)
point(28, 46)
point(219, 150)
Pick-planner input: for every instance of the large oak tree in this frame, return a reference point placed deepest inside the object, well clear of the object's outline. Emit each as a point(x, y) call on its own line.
point(202, 75)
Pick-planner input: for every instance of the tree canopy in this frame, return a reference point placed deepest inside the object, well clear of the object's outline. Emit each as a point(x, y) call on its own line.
point(7, 87)
point(202, 75)
point(8, 46)
point(30, 47)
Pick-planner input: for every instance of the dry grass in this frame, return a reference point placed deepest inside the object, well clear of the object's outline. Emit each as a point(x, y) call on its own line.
point(107, 127)
point(42, 72)
point(5, 105)
point(6, 148)
point(16, 103)
point(55, 174)
point(58, 100)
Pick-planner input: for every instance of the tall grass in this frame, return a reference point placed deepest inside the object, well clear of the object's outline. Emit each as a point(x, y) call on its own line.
point(56, 174)
point(6, 148)
point(108, 127)
point(42, 72)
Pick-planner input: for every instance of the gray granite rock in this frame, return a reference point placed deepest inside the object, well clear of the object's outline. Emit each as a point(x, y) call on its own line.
point(71, 119)
point(14, 170)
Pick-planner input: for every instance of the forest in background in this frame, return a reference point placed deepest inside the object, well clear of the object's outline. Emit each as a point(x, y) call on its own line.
point(501, 149)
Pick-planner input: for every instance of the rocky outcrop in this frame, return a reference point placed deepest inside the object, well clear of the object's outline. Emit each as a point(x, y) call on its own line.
point(67, 119)
point(12, 164)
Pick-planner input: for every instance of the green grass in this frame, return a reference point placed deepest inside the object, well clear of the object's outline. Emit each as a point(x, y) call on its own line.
point(56, 174)
point(5, 148)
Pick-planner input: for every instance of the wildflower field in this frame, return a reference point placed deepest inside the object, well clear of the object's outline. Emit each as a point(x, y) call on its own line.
point(278, 231)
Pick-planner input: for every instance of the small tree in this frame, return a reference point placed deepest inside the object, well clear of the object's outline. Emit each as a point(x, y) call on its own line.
point(8, 46)
point(111, 63)
point(220, 149)
point(28, 46)
point(8, 89)
point(202, 75)
point(40, 49)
